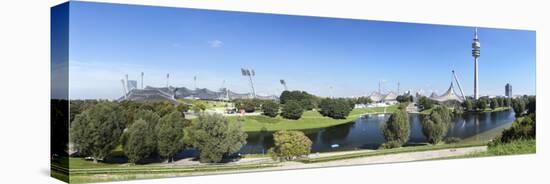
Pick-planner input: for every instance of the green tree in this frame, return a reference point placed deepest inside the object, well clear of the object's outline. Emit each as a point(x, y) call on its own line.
point(426, 103)
point(215, 137)
point(519, 106)
point(183, 108)
point(270, 108)
point(170, 135)
point(501, 102)
point(363, 100)
point(481, 104)
point(524, 128)
point(97, 130)
point(292, 110)
point(404, 98)
point(397, 128)
point(469, 105)
point(507, 102)
point(152, 119)
point(198, 106)
point(435, 125)
point(248, 105)
point(335, 108)
point(306, 100)
point(164, 108)
point(138, 145)
point(290, 145)
point(494, 103)
point(531, 104)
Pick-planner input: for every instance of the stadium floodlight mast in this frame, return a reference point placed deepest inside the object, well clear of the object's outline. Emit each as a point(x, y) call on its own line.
point(142, 80)
point(195, 81)
point(398, 86)
point(331, 92)
point(250, 73)
point(168, 80)
point(124, 89)
point(283, 82)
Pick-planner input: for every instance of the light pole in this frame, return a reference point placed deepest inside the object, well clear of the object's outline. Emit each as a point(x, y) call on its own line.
point(250, 73)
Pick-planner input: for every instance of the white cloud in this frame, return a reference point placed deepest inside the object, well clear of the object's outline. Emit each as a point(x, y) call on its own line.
point(215, 43)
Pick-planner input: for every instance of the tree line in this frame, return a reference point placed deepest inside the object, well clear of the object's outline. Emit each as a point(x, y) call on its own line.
point(294, 103)
point(396, 130)
point(144, 132)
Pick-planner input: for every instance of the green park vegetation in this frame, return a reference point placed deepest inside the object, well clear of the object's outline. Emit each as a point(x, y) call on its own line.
point(299, 110)
point(215, 137)
point(396, 130)
point(157, 131)
point(309, 120)
point(270, 109)
point(97, 132)
point(292, 110)
point(290, 145)
point(434, 125)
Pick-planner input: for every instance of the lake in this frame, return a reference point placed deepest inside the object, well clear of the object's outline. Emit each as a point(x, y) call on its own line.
point(365, 133)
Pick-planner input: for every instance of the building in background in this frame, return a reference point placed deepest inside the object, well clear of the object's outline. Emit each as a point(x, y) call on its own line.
point(508, 90)
point(132, 84)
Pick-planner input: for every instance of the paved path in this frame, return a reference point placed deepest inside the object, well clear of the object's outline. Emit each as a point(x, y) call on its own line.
point(402, 157)
point(390, 158)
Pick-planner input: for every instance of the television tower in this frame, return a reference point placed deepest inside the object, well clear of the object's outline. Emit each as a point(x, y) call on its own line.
point(475, 53)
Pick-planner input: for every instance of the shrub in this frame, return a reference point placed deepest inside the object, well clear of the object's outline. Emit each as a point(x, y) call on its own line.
point(183, 108)
point(397, 128)
point(292, 110)
point(452, 140)
point(435, 125)
point(521, 129)
point(390, 145)
point(198, 106)
point(270, 109)
point(215, 137)
point(290, 145)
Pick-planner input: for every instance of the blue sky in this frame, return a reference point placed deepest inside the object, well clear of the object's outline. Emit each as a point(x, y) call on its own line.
point(310, 53)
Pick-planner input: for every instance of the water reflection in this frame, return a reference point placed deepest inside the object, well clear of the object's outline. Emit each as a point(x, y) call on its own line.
point(366, 132)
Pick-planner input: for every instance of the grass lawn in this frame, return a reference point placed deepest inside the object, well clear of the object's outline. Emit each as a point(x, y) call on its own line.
point(83, 171)
point(209, 104)
point(496, 109)
point(309, 120)
point(513, 148)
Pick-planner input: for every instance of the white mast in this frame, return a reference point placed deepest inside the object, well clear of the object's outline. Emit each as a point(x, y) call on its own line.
point(124, 89)
point(141, 80)
point(167, 80)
